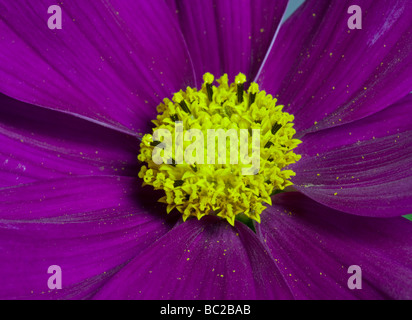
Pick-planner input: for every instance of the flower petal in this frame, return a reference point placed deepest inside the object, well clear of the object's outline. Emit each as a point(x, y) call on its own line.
point(314, 246)
point(363, 167)
point(228, 36)
point(45, 144)
point(326, 73)
point(206, 259)
point(90, 227)
point(111, 63)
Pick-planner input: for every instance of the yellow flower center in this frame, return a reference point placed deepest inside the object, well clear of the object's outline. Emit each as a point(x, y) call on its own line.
point(202, 179)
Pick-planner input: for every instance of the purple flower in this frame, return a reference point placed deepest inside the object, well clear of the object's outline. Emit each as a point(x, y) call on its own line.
point(76, 100)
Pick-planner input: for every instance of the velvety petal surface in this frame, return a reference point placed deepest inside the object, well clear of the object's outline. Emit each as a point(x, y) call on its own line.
point(45, 144)
point(111, 62)
point(89, 226)
point(206, 259)
point(364, 167)
point(314, 246)
point(324, 72)
point(228, 36)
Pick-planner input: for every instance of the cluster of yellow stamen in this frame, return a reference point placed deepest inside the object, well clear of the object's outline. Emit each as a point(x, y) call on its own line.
point(198, 189)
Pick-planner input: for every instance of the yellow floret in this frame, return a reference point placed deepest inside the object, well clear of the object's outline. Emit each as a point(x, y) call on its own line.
point(198, 189)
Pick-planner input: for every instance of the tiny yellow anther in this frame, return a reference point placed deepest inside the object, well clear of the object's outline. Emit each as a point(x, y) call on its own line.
point(177, 97)
point(253, 88)
point(208, 78)
point(240, 78)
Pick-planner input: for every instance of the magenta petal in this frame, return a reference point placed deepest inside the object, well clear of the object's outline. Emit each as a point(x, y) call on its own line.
point(206, 259)
point(228, 36)
point(326, 73)
point(314, 246)
point(110, 63)
point(90, 227)
point(363, 167)
point(45, 144)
